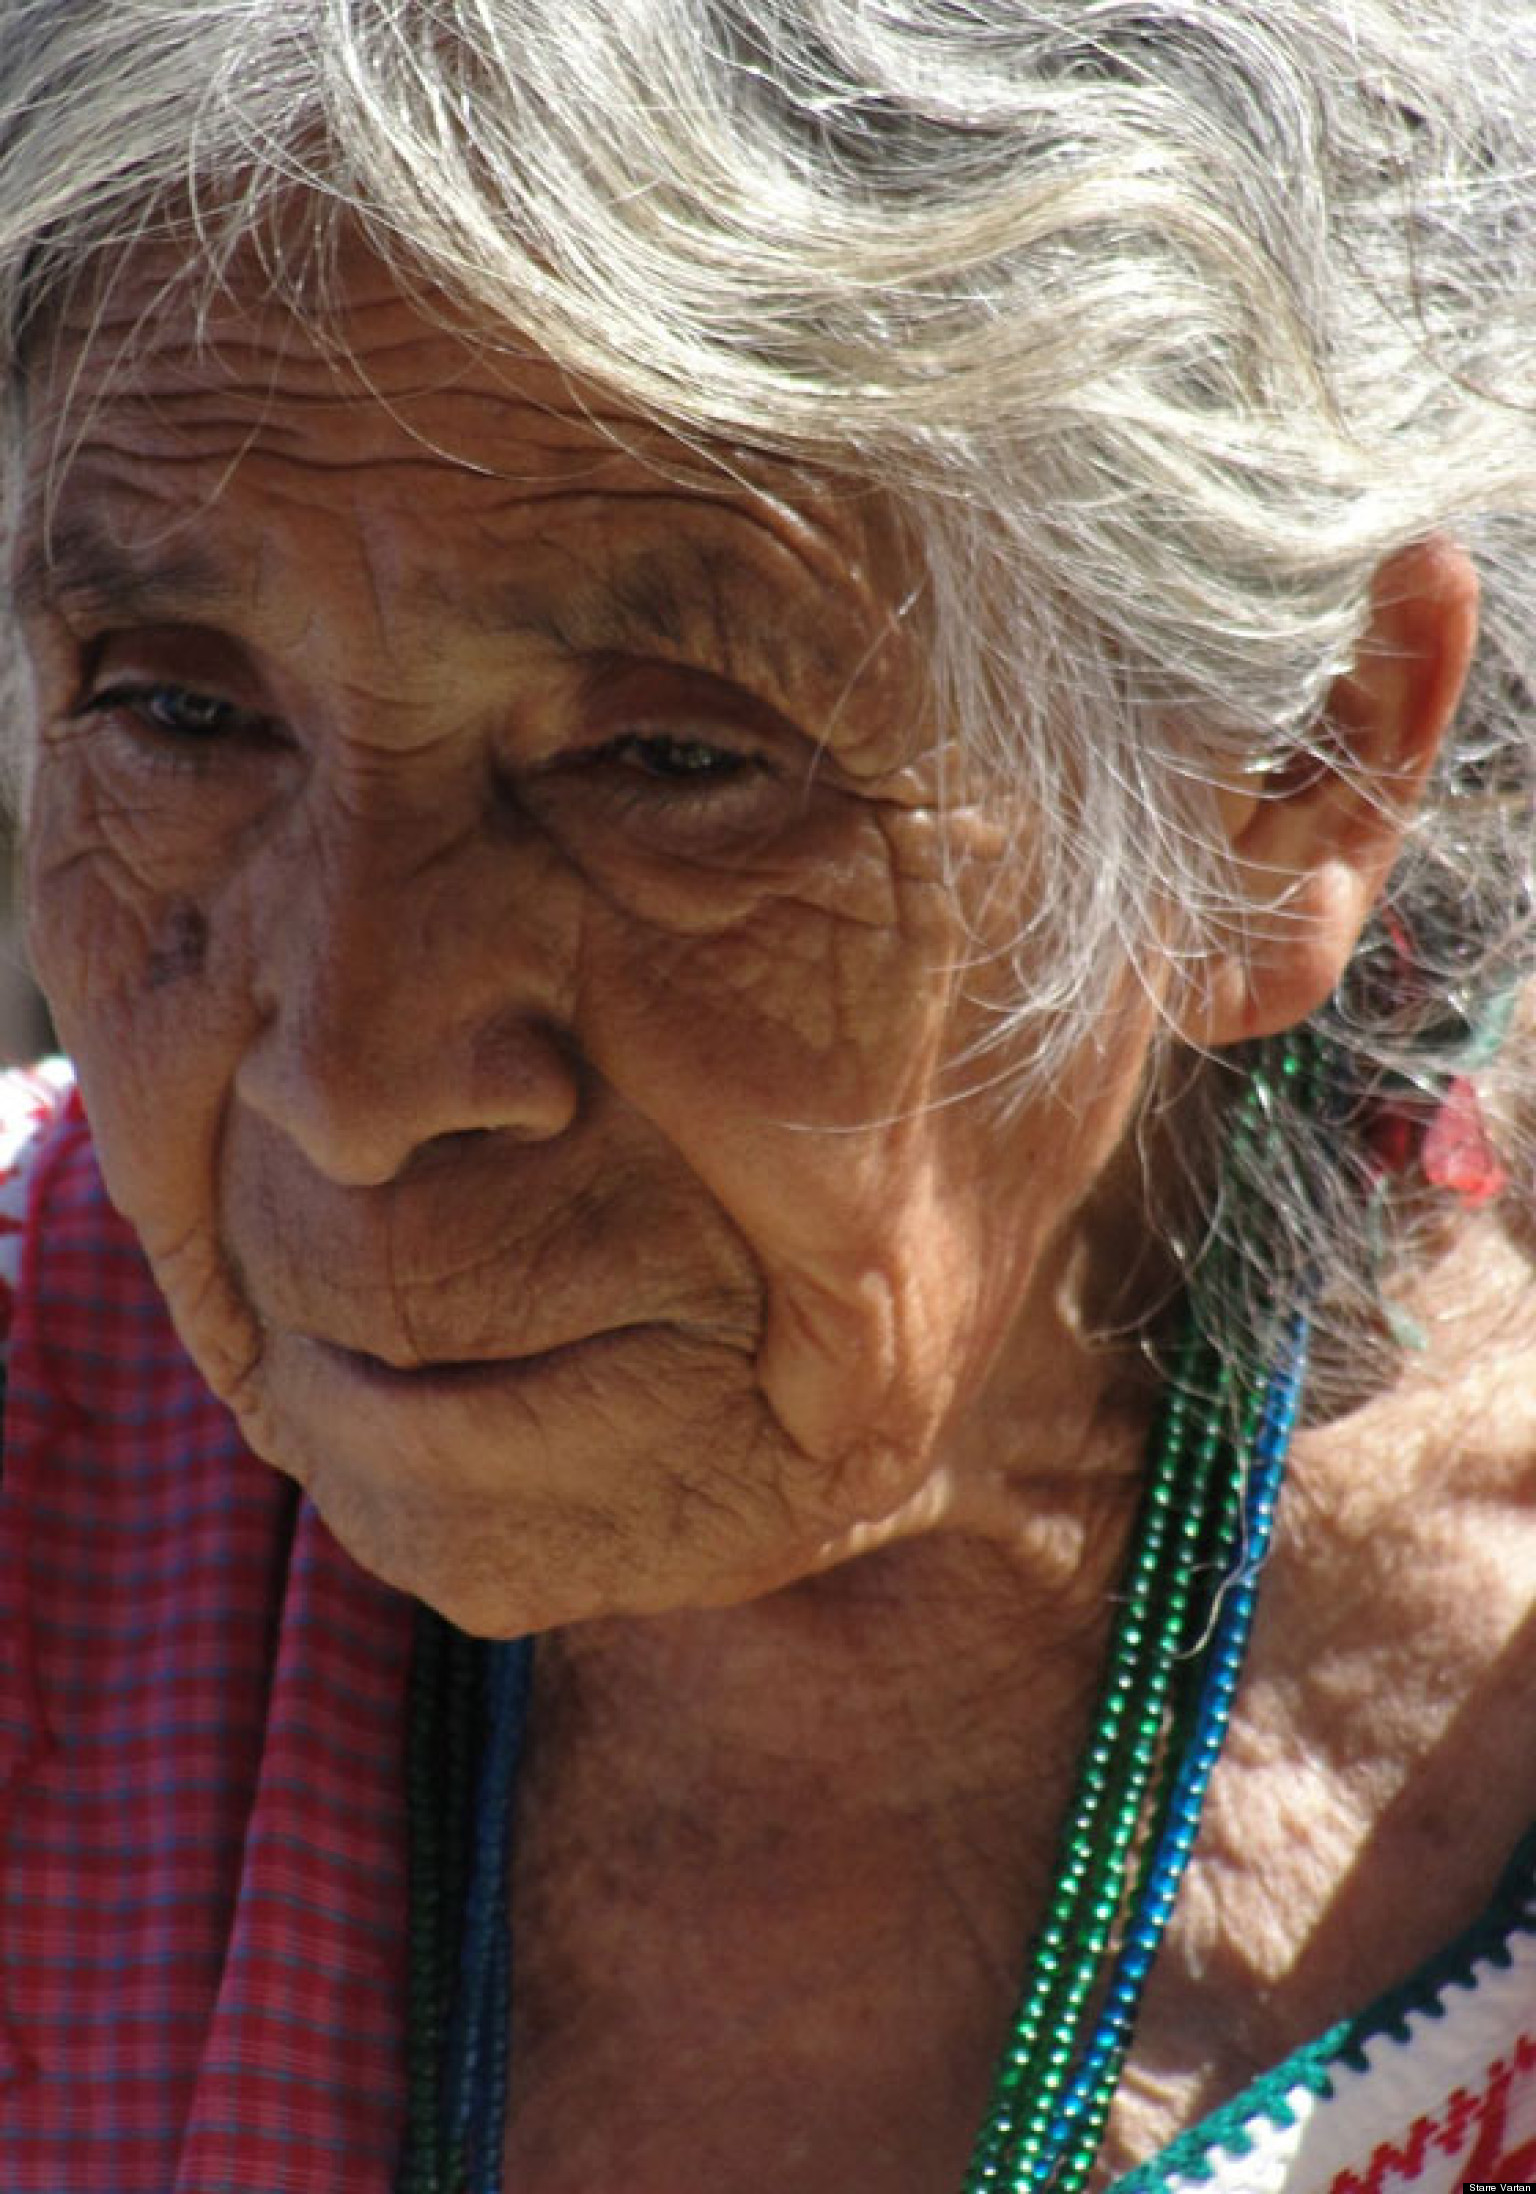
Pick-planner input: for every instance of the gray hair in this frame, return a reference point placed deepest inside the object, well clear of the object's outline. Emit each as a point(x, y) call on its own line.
point(1166, 323)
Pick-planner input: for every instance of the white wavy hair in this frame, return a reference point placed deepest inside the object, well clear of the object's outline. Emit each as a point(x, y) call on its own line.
point(1166, 323)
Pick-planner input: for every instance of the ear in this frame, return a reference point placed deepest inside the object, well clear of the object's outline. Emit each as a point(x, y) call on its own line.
point(1315, 841)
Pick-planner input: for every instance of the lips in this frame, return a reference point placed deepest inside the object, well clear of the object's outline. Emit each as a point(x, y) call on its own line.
point(458, 1375)
point(483, 1261)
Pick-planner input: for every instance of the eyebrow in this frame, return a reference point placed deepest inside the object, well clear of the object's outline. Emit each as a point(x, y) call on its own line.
point(668, 595)
point(84, 564)
point(639, 603)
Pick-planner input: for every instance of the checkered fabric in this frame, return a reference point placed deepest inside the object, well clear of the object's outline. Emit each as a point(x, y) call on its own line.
point(201, 1723)
point(202, 1832)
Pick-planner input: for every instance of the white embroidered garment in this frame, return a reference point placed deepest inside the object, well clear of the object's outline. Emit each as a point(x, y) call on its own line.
point(1432, 2090)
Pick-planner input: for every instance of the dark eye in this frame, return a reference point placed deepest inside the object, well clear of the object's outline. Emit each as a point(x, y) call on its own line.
point(678, 760)
point(179, 711)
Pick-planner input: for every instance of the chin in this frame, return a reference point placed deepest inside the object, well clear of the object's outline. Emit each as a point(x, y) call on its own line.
point(526, 1571)
point(507, 1527)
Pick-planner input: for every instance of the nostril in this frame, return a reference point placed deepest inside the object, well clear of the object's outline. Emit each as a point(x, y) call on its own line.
point(370, 1069)
point(451, 1144)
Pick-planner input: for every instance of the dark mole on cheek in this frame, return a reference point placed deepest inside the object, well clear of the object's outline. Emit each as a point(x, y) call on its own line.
point(184, 947)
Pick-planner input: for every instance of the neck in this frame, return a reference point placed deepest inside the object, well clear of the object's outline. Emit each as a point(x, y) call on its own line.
point(795, 1849)
point(934, 1664)
point(746, 1831)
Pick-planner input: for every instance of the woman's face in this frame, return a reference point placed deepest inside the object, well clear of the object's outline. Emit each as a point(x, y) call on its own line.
point(486, 864)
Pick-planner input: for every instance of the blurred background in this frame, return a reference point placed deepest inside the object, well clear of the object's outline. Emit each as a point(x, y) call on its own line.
point(25, 1032)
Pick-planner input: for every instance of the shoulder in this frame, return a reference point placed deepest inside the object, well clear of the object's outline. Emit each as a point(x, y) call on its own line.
point(32, 1101)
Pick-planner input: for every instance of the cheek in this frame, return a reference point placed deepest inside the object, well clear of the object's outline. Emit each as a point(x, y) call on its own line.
point(119, 889)
point(808, 994)
point(792, 1059)
point(147, 984)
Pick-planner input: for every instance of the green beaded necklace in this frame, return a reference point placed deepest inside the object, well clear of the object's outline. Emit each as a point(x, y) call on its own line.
point(1214, 1464)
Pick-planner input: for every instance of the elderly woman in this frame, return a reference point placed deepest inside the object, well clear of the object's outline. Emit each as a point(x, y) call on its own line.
point(765, 808)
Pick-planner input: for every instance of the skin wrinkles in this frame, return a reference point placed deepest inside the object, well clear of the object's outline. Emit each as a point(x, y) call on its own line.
point(410, 1028)
point(299, 422)
point(88, 578)
point(407, 374)
point(439, 976)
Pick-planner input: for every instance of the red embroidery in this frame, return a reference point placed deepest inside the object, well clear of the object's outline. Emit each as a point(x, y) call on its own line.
point(1388, 2160)
point(1491, 2160)
point(1447, 2131)
point(1460, 2117)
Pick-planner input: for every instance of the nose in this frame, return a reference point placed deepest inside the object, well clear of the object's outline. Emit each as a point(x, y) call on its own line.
point(408, 994)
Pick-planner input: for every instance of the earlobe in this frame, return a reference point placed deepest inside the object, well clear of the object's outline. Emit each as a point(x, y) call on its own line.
point(1315, 842)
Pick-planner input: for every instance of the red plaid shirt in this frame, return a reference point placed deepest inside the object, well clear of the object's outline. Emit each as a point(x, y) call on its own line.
point(201, 1717)
point(202, 1833)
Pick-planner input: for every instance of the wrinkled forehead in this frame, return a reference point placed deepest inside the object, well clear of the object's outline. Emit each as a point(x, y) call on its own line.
point(236, 459)
point(152, 354)
point(153, 364)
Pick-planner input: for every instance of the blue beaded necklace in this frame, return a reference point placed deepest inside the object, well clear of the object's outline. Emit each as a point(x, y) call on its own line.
point(1214, 1466)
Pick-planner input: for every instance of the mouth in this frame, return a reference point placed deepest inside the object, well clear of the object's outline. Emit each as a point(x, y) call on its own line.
point(466, 1375)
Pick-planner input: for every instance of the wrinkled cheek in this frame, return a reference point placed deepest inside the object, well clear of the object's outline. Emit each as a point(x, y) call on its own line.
point(112, 924)
point(147, 1007)
point(870, 1345)
point(790, 1064)
point(833, 1371)
point(88, 917)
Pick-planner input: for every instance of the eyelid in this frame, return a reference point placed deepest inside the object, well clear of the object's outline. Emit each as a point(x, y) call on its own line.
point(130, 693)
point(622, 690)
point(193, 657)
point(723, 739)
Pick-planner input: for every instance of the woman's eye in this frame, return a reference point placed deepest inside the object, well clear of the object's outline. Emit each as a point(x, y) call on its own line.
point(681, 761)
point(181, 712)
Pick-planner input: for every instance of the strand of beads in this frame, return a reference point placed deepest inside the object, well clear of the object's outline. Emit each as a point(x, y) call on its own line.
point(479, 2037)
point(435, 1901)
point(1214, 1465)
point(1079, 2123)
point(1127, 1766)
point(467, 1719)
